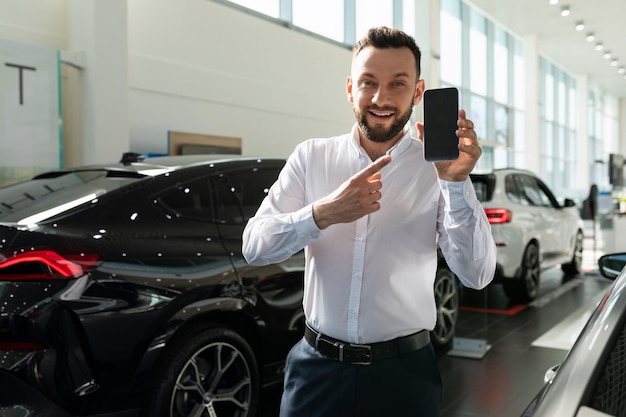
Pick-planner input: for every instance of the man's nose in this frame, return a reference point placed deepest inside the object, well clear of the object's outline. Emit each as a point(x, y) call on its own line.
point(381, 96)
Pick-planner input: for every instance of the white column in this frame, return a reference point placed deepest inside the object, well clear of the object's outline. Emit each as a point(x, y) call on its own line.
point(621, 123)
point(98, 30)
point(582, 131)
point(532, 161)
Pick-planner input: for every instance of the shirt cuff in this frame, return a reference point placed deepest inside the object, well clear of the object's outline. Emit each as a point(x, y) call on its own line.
point(305, 224)
point(458, 194)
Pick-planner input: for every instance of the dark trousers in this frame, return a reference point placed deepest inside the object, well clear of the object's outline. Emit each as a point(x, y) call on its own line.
point(317, 386)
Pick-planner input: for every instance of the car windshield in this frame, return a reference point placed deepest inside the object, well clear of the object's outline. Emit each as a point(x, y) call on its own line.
point(50, 194)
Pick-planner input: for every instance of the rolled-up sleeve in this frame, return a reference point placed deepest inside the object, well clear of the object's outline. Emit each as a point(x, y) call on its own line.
point(465, 234)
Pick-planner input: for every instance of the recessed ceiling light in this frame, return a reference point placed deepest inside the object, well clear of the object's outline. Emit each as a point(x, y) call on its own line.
point(553, 2)
point(599, 46)
point(590, 37)
point(621, 70)
point(580, 25)
point(565, 11)
point(607, 55)
point(614, 62)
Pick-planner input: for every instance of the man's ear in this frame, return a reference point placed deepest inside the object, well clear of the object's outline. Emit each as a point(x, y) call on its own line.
point(419, 92)
point(349, 89)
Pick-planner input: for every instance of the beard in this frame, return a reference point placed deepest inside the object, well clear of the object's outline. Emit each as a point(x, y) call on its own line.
point(381, 134)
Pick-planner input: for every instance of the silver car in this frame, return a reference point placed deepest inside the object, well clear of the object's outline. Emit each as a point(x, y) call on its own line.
point(591, 382)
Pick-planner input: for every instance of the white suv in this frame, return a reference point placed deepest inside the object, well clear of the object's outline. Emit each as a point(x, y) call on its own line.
point(532, 231)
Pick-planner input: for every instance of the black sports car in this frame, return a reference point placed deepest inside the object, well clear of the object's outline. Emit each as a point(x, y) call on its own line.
point(123, 291)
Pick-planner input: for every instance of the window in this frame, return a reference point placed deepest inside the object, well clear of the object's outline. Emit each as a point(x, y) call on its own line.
point(450, 42)
point(558, 160)
point(371, 13)
point(492, 87)
point(501, 66)
point(239, 194)
point(325, 17)
point(269, 8)
point(478, 52)
point(189, 200)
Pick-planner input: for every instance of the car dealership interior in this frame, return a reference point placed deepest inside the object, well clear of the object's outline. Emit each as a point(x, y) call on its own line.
point(120, 86)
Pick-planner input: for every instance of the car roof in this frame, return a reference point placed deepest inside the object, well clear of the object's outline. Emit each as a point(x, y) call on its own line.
point(67, 188)
point(158, 165)
point(504, 171)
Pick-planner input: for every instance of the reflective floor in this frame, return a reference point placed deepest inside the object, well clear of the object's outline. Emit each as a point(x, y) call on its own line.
point(502, 351)
point(523, 341)
point(523, 346)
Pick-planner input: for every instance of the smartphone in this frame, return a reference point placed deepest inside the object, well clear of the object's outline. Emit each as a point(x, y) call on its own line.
point(441, 112)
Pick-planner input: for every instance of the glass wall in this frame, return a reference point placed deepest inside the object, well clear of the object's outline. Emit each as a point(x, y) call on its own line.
point(484, 61)
point(558, 123)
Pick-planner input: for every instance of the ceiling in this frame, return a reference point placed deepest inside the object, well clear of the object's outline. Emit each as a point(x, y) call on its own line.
point(558, 40)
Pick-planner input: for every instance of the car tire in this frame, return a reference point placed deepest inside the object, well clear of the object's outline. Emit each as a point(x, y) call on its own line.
point(446, 291)
point(573, 267)
point(206, 367)
point(525, 286)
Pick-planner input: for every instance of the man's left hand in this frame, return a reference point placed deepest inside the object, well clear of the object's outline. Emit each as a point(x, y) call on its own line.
point(469, 151)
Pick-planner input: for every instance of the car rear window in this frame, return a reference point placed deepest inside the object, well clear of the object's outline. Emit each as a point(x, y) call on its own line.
point(55, 189)
point(484, 185)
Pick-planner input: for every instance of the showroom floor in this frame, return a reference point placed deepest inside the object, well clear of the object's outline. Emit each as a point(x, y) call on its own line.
point(524, 343)
point(501, 351)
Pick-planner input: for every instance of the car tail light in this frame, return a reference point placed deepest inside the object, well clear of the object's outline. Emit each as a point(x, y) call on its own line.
point(20, 346)
point(497, 216)
point(45, 264)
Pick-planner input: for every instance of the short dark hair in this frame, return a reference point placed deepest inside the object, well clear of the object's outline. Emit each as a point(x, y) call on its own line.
point(383, 37)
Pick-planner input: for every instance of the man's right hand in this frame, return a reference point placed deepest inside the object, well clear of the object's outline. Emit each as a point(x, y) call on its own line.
point(354, 199)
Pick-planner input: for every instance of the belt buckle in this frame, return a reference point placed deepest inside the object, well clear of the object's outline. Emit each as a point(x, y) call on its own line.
point(363, 348)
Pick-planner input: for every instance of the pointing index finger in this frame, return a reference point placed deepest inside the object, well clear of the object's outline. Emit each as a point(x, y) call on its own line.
point(374, 167)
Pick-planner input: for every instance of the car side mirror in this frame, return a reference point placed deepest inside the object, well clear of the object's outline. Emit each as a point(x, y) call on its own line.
point(551, 373)
point(611, 265)
point(568, 202)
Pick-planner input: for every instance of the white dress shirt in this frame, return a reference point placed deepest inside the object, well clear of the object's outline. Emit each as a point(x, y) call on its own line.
point(372, 280)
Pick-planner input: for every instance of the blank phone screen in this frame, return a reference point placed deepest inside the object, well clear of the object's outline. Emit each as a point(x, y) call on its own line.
point(441, 111)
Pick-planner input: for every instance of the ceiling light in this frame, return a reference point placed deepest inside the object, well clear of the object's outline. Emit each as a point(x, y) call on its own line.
point(621, 70)
point(614, 62)
point(599, 46)
point(590, 36)
point(565, 11)
point(553, 2)
point(580, 25)
point(607, 55)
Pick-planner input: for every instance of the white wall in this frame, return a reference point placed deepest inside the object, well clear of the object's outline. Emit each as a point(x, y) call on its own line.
point(35, 22)
point(203, 67)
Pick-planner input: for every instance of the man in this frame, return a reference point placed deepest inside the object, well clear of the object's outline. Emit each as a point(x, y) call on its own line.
point(370, 232)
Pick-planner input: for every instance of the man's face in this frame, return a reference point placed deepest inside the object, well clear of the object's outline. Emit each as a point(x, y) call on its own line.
point(383, 88)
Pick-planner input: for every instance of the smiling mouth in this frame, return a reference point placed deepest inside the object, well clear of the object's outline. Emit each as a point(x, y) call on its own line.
point(381, 113)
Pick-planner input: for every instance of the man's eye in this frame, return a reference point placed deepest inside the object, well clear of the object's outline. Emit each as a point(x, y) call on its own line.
point(367, 83)
point(398, 84)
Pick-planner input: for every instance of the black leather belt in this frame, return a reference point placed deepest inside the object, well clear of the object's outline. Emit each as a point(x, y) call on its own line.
point(365, 354)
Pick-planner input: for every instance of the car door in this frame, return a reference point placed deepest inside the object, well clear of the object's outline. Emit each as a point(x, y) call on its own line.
point(564, 223)
point(543, 211)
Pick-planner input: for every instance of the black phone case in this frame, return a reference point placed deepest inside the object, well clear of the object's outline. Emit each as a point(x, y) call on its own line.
point(441, 112)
